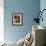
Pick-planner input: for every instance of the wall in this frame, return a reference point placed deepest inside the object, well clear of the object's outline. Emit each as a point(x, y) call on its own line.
point(28, 8)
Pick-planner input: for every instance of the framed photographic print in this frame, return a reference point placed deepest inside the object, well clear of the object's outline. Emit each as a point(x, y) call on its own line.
point(17, 19)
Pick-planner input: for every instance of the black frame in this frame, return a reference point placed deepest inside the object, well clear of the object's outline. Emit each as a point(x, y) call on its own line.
point(21, 18)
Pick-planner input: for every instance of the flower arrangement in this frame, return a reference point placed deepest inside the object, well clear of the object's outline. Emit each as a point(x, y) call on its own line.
point(39, 16)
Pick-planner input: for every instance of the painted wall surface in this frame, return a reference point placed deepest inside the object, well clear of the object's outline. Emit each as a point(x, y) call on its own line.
point(28, 8)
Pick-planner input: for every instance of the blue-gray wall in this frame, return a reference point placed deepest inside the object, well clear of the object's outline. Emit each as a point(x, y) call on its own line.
point(28, 8)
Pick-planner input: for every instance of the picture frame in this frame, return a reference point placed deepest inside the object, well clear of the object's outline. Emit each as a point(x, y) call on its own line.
point(17, 19)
